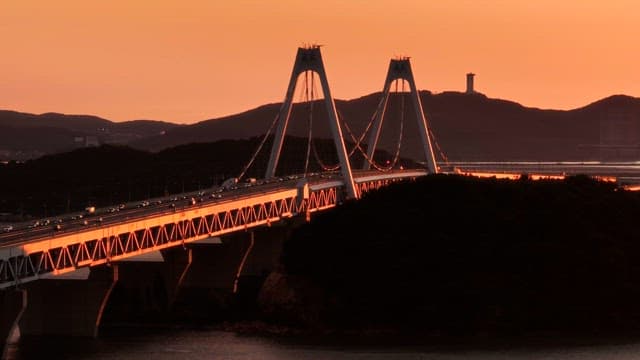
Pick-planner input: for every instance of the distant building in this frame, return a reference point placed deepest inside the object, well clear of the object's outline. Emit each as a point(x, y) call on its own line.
point(470, 89)
point(86, 141)
point(91, 141)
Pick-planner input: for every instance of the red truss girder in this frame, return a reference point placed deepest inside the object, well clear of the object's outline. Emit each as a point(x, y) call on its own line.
point(102, 250)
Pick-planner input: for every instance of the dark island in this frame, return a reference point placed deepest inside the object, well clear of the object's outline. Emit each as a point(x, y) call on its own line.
point(454, 256)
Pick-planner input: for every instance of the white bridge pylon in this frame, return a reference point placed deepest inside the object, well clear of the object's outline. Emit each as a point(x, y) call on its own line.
point(400, 69)
point(310, 59)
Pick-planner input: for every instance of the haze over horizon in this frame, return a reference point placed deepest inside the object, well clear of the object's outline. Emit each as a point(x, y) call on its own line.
point(191, 60)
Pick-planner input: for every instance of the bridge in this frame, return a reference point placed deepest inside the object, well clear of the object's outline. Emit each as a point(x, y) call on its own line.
point(98, 247)
point(32, 253)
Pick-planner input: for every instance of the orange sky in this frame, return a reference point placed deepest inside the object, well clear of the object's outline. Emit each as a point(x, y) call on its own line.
point(189, 60)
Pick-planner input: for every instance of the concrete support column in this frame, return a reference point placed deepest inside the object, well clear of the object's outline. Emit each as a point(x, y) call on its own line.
point(148, 286)
point(254, 252)
point(266, 250)
point(205, 289)
point(68, 307)
point(215, 266)
point(176, 267)
point(12, 305)
point(222, 274)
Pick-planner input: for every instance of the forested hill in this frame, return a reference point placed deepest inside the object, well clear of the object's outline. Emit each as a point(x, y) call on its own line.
point(467, 127)
point(109, 174)
point(456, 255)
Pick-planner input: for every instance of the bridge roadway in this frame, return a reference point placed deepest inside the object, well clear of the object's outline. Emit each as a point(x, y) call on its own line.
point(116, 233)
point(625, 173)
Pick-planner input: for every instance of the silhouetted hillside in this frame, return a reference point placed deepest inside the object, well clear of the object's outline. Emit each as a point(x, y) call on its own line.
point(52, 120)
point(27, 136)
point(466, 127)
point(462, 255)
point(109, 174)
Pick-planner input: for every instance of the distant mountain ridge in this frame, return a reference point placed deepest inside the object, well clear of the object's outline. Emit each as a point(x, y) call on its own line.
point(26, 136)
point(466, 127)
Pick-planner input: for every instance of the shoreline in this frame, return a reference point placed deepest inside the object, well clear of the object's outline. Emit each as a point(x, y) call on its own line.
point(389, 338)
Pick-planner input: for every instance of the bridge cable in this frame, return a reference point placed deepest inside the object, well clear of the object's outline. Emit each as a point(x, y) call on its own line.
point(264, 139)
point(357, 142)
point(396, 156)
point(310, 100)
point(358, 147)
point(435, 143)
point(266, 136)
point(255, 154)
point(400, 136)
point(312, 144)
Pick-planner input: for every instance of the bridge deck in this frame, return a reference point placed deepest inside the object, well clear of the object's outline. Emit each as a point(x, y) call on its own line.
point(31, 253)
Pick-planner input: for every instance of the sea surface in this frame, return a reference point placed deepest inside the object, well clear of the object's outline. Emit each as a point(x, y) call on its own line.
point(187, 344)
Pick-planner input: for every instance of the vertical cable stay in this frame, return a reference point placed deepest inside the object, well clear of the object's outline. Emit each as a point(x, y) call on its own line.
point(312, 144)
point(396, 156)
point(310, 100)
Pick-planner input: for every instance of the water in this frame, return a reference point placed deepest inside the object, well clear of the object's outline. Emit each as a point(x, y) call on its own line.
point(132, 344)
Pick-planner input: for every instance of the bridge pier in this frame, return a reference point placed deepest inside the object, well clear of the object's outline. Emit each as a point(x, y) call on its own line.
point(203, 280)
point(221, 276)
point(147, 289)
point(265, 254)
point(68, 307)
point(205, 288)
point(12, 305)
point(177, 264)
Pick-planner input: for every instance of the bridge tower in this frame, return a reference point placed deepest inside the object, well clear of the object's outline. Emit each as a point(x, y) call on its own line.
point(400, 69)
point(310, 59)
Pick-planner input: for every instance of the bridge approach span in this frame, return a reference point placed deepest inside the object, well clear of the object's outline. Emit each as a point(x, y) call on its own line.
point(46, 254)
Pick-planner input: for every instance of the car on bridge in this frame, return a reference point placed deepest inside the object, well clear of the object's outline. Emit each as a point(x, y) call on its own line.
point(7, 228)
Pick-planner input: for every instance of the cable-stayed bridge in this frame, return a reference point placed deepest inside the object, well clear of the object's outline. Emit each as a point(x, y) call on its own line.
point(105, 246)
point(94, 245)
point(59, 245)
point(107, 236)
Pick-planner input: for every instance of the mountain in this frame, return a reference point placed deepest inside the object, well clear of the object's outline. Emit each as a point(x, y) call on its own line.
point(111, 174)
point(465, 127)
point(24, 136)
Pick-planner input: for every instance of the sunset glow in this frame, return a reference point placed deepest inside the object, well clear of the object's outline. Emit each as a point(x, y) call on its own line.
point(191, 60)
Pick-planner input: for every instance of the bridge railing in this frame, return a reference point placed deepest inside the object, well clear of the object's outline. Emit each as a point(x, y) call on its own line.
point(163, 229)
point(98, 246)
